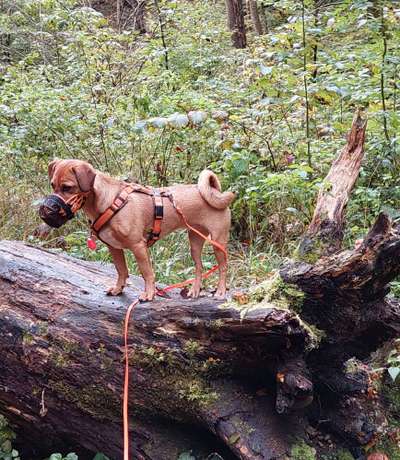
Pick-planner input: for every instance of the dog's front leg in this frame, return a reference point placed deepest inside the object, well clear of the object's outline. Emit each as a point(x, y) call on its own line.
point(120, 264)
point(141, 254)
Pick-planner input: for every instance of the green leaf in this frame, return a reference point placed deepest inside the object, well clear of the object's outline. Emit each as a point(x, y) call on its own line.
point(56, 457)
point(394, 372)
point(100, 456)
point(71, 456)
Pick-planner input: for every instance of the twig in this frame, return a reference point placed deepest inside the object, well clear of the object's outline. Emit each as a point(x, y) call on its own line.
point(383, 96)
point(162, 34)
point(306, 85)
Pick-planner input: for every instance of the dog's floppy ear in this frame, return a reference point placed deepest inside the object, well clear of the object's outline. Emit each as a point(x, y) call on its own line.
point(52, 167)
point(85, 175)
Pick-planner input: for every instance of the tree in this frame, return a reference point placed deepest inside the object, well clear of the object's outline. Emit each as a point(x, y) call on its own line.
point(255, 17)
point(235, 10)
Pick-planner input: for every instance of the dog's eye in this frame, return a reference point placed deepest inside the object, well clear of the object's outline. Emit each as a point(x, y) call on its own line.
point(66, 188)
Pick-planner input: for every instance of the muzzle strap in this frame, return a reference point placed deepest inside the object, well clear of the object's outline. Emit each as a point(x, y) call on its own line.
point(55, 211)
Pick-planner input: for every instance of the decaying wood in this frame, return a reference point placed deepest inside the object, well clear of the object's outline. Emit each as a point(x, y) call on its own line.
point(60, 334)
point(325, 232)
point(348, 285)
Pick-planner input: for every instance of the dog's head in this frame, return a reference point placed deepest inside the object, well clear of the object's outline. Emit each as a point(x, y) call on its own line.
point(71, 181)
point(71, 177)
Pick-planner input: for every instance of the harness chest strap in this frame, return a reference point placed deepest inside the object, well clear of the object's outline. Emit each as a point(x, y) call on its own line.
point(121, 200)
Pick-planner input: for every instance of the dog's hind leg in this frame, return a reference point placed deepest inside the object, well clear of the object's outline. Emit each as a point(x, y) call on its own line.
point(196, 247)
point(120, 264)
point(222, 239)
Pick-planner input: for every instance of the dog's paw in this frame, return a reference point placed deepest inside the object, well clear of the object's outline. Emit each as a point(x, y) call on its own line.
point(115, 290)
point(220, 294)
point(147, 296)
point(194, 292)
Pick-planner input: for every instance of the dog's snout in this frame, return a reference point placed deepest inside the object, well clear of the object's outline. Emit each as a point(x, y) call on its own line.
point(54, 211)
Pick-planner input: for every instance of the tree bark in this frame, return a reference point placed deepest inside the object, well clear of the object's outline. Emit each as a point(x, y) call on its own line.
point(137, 14)
point(325, 232)
point(255, 17)
point(236, 23)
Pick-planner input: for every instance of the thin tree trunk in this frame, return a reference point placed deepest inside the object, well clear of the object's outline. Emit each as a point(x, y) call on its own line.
point(236, 22)
point(306, 86)
point(162, 32)
point(382, 79)
point(315, 46)
point(137, 14)
point(264, 19)
point(255, 17)
point(118, 14)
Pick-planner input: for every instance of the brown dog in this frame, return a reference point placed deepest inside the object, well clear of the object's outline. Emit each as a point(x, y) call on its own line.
point(204, 206)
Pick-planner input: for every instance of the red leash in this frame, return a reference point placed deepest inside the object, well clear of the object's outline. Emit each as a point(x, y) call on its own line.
point(160, 292)
point(126, 381)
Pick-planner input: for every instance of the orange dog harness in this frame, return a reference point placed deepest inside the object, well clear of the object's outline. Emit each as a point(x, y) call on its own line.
point(121, 200)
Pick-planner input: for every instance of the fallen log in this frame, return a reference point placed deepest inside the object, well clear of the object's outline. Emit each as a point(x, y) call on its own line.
point(61, 368)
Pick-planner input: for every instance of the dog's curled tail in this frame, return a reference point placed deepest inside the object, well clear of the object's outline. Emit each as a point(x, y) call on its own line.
point(210, 189)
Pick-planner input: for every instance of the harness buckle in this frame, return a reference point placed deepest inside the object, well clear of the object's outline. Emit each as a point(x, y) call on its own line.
point(158, 205)
point(117, 204)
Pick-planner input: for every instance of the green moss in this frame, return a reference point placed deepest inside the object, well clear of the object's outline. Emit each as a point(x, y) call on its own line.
point(274, 292)
point(214, 324)
point(192, 348)
point(42, 328)
point(316, 335)
point(302, 451)
point(391, 391)
point(64, 352)
point(344, 455)
point(176, 377)
point(59, 359)
point(352, 366)
point(97, 400)
point(341, 454)
point(69, 346)
point(6, 434)
point(195, 391)
point(311, 250)
point(27, 338)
